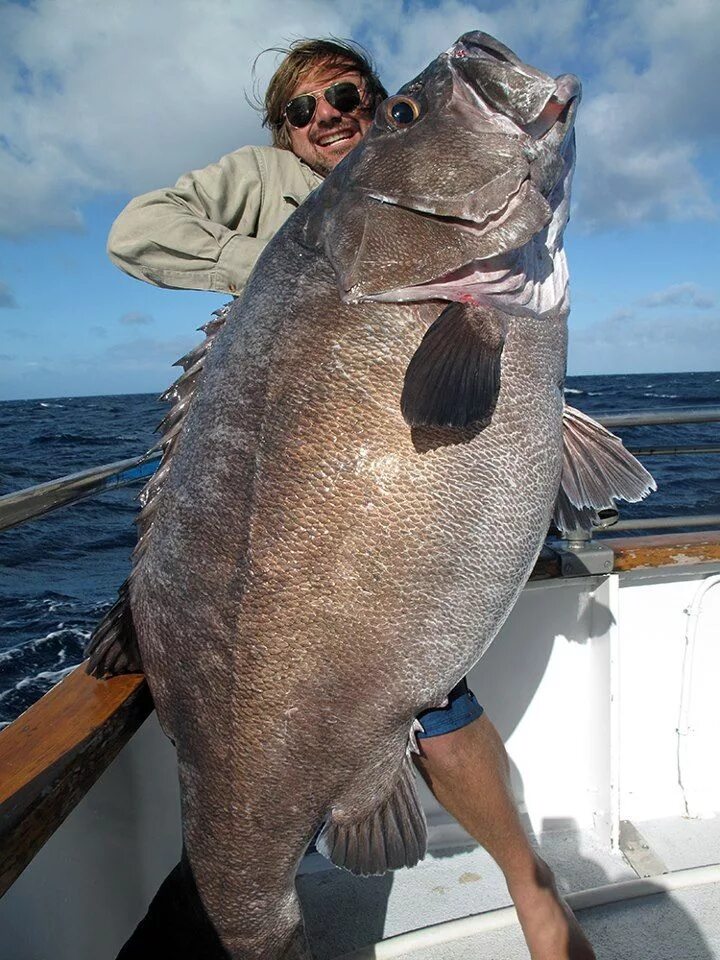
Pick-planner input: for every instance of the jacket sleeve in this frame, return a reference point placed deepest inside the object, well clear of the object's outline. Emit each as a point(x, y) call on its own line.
point(199, 234)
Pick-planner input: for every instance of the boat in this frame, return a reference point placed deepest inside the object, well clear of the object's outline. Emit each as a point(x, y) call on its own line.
point(602, 684)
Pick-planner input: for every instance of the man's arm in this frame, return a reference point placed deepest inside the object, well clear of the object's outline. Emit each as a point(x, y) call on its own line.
point(200, 234)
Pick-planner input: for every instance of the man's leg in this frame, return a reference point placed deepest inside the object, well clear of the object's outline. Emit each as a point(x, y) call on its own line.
point(469, 774)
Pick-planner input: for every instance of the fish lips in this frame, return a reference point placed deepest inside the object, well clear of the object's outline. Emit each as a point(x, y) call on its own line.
point(530, 98)
point(541, 108)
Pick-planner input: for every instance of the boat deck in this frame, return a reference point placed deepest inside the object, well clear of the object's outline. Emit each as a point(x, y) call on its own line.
point(454, 883)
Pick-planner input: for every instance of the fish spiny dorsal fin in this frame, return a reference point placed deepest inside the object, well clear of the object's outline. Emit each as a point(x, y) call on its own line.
point(597, 470)
point(113, 647)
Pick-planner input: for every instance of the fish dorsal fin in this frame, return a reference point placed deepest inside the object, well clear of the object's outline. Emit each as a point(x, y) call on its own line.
point(453, 378)
point(392, 835)
point(112, 648)
point(597, 470)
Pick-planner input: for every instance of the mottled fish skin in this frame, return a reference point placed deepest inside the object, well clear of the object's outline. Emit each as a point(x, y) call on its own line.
point(318, 572)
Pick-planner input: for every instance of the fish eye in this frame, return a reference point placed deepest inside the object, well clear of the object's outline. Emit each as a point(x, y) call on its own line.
point(402, 111)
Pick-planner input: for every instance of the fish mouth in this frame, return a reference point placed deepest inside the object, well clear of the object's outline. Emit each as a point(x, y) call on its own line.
point(505, 88)
point(484, 225)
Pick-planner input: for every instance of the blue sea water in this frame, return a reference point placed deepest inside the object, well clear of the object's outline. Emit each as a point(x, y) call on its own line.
point(60, 573)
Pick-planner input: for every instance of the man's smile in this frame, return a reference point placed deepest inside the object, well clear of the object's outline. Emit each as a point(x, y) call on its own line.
point(335, 137)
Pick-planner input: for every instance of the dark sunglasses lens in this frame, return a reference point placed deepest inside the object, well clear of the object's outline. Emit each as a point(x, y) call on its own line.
point(299, 111)
point(343, 96)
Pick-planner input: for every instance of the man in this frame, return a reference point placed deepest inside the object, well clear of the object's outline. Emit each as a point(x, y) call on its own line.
point(206, 233)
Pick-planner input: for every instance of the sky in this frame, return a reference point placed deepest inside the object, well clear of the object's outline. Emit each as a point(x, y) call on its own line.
point(101, 101)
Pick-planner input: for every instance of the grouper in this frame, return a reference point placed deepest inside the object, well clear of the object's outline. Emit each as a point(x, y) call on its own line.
point(360, 467)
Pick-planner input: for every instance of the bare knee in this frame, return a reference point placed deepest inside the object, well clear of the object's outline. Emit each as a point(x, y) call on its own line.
point(452, 754)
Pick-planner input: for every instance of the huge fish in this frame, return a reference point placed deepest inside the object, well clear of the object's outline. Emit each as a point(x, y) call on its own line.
point(360, 468)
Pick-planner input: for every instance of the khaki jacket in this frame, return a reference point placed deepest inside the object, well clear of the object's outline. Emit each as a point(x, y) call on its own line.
point(207, 231)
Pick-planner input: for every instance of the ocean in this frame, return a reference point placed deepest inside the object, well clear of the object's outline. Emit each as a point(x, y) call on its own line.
point(60, 573)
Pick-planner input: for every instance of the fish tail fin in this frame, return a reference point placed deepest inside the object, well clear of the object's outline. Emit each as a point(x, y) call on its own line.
point(392, 835)
point(113, 647)
point(596, 471)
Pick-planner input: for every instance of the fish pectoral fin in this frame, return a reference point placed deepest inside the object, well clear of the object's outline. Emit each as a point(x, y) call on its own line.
point(392, 835)
point(113, 647)
point(597, 470)
point(453, 378)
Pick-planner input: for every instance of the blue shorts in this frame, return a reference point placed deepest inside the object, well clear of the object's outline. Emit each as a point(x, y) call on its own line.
point(462, 709)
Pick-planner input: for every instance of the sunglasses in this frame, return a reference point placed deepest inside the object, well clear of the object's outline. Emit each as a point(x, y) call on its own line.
point(344, 96)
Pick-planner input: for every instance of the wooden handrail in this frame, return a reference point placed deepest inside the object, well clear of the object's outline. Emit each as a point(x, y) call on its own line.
point(664, 550)
point(54, 753)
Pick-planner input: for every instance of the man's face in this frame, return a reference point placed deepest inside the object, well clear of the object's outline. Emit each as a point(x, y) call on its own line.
point(330, 135)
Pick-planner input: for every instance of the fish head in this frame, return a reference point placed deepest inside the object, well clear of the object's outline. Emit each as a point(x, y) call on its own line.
point(460, 170)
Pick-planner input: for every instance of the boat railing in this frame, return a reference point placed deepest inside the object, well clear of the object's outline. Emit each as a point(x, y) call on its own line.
point(23, 505)
point(55, 751)
point(36, 501)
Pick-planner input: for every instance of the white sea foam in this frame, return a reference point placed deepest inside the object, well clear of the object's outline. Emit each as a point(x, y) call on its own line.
point(33, 645)
point(54, 604)
point(51, 676)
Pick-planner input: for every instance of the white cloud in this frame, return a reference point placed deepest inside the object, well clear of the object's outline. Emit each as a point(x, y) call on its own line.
point(126, 97)
point(136, 319)
point(667, 330)
point(622, 314)
point(647, 343)
point(146, 353)
point(651, 109)
point(689, 294)
point(100, 98)
point(142, 365)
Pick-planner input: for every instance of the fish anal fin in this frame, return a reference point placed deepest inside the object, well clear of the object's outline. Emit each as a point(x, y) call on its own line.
point(453, 378)
point(392, 835)
point(597, 470)
point(113, 647)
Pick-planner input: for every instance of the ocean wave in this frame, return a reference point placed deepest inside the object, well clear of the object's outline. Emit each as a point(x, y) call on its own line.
point(45, 679)
point(57, 406)
point(574, 392)
point(69, 439)
point(33, 646)
point(662, 396)
point(54, 604)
